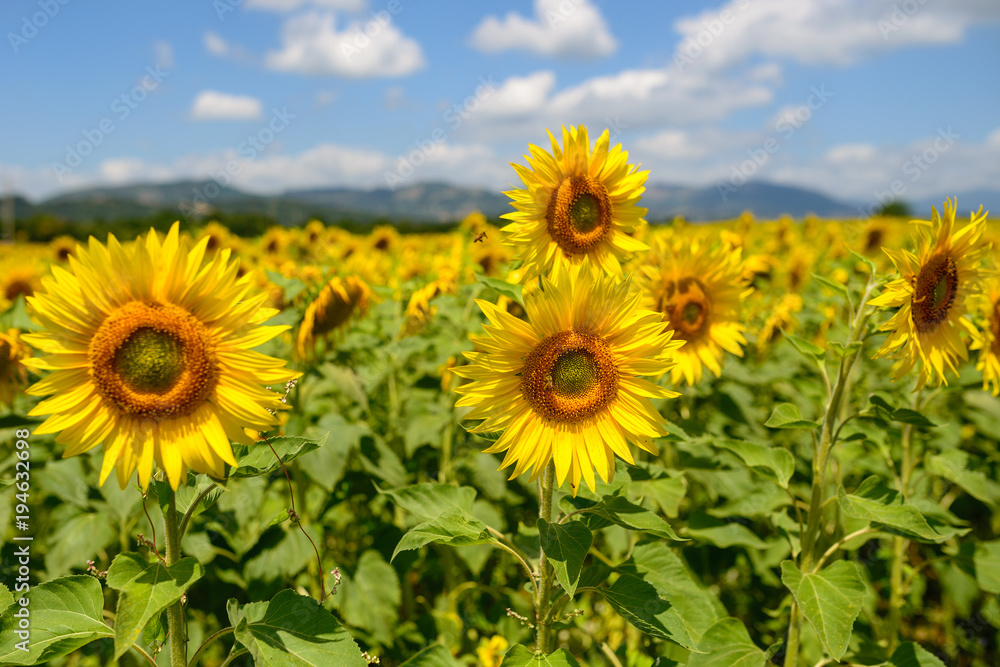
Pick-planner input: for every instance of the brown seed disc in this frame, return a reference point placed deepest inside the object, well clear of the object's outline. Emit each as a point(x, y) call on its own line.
point(578, 214)
point(570, 376)
point(934, 292)
point(687, 308)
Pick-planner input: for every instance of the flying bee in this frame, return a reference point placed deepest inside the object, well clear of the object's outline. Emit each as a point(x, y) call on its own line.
point(479, 237)
point(548, 383)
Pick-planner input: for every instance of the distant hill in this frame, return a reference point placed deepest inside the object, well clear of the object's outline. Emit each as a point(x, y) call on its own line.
point(438, 202)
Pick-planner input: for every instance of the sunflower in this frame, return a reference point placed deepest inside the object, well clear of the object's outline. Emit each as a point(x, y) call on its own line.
point(419, 310)
point(578, 203)
point(564, 386)
point(61, 247)
point(338, 301)
point(698, 291)
point(152, 356)
point(20, 277)
point(987, 340)
point(13, 372)
point(931, 295)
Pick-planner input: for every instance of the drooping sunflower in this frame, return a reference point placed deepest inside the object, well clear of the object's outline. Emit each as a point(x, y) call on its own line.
point(931, 296)
point(987, 339)
point(565, 385)
point(577, 203)
point(337, 302)
point(151, 354)
point(698, 290)
point(13, 372)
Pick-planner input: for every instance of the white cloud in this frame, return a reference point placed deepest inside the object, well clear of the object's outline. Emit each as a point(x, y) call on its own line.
point(823, 32)
point(213, 105)
point(561, 28)
point(311, 44)
point(285, 6)
point(164, 54)
point(215, 44)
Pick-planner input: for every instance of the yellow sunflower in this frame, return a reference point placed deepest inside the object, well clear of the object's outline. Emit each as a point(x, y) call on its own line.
point(698, 290)
point(987, 340)
point(577, 203)
point(564, 386)
point(61, 247)
point(337, 302)
point(152, 356)
point(13, 372)
point(931, 295)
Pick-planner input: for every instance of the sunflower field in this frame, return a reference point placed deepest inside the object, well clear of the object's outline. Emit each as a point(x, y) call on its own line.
point(565, 438)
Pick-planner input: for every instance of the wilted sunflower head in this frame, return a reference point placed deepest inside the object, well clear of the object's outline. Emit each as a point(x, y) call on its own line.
point(577, 203)
point(564, 386)
point(338, 301)
point(151, 353)
point(931, 295)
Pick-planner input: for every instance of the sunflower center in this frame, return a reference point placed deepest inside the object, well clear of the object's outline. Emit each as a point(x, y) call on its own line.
point(934, 293)
point(570, 376)
point(686, 307)
point(150, 361)
point(153, 360)
point(579, 214)
point(16, 288)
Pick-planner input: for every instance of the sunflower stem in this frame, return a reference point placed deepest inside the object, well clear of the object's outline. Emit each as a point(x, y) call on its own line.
point(175, 612)
point(543, 591)
point(899, 544)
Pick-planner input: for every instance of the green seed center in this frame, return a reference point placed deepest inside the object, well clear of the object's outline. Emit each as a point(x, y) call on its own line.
point(150, 361)
point(585, 212)
point(692, 312)
point(574, 373)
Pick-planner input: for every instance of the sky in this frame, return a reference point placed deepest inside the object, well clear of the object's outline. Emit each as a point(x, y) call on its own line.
point(852, 98)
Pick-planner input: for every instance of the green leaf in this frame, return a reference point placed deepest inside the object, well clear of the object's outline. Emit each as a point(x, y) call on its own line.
point(260, 460)
point(520, 656)
point(452, 527)
point(774, 463)
point(78, 540)
point(787, 415)
point(955, 466)
point(810, 351)
point(637, 601)
point(503, 287)
point(186, 493)
point(429, 500)
point(886, 508)
point(880, 408)
point(66, 613)
point(867, 262)
point(292, 286)
point(722, 534)
point(830, 600)
point(728, 644)
point(833, 285)
point(432, 656)
point(146, 590)
point(295, 631)
point(566, 546)
point(982, 562)
point(841, 350)
point(6, 599)
point(913, 655)
point(619, 510)
point(370, 598)
point(17, 421)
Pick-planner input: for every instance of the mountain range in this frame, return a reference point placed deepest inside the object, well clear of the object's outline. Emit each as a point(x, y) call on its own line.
point(441, 202)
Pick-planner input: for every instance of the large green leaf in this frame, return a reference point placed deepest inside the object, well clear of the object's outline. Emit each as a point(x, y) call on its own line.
point(637, 601)
point(146, 589)
point(955, 466)
point(78, 540)
point(787, 415)
point(728, 644)
point(886, 508)
point(982, 562)
point(429, 500)
point(521, 656)
point(452, 527)
point(260, 460)
point(775, 463)
point(913, 655)
point(830, 600)
point(618, 510)
point(295, 631)
point(566, 546)
point(432, 656)
point(503, 287)
point(721, 533)
point(65, 614)
point(369, 599)
point(659, 565)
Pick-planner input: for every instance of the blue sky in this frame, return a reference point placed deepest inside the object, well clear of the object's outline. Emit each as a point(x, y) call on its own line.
point(843, 96)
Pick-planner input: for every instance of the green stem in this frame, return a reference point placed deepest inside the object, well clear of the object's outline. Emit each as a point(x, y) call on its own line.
point(897, 589)
point(175, 612)
point(543, 595)
point(197, 654)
